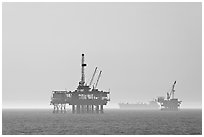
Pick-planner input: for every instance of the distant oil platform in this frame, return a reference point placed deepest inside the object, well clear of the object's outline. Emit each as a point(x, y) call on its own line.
point(170, 103)
point(84, 99)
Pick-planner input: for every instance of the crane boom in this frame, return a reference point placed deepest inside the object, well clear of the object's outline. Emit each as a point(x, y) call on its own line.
point(98, 79)
point(173, 90)
point(93, 76)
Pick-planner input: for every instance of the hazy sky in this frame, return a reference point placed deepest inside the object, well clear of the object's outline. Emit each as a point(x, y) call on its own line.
point(140, 47)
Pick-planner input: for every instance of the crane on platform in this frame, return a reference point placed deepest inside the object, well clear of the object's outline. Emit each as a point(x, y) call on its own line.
point(172, 92)
point(98, 79)
point(93, 76)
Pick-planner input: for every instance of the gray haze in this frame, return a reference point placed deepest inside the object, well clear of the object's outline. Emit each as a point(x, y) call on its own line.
point(140, 47)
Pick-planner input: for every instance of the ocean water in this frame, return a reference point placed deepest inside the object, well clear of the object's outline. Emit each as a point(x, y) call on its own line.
point(112, 122)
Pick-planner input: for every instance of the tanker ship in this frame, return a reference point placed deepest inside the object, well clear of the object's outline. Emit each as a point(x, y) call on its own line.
point(140, 106)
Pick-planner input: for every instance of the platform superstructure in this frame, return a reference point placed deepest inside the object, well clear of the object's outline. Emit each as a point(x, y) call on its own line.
point(85, 99)
point(170, 103)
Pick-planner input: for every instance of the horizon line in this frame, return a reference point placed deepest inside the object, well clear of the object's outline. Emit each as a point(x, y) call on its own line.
point(106, 107)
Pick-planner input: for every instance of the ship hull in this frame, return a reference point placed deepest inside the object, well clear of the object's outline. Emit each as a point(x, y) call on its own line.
point(139, 106)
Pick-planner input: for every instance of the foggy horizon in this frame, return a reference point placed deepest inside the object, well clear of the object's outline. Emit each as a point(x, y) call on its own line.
point(108, 106)
point(141, 48)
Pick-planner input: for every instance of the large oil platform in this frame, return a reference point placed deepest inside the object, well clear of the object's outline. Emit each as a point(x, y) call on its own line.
point(170, 103)
point(84, 99)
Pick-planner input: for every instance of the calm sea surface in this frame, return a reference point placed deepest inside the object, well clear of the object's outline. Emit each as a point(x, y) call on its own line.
point(113, 121)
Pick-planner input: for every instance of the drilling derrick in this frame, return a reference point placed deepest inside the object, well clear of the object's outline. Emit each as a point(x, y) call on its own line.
point(83, 65)
point(83, 99)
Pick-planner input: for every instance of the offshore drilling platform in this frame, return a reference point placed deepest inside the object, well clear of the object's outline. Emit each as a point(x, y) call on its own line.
point(170, 103)
point(84, 99)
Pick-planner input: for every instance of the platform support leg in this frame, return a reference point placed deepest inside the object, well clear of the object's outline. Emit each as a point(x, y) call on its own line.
point(87, 108)
point(92, 108)
point(82, 108)
point(97, 109)
point(78, 109)
point(54, 108)
point(101, 108)
point(73, 109)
